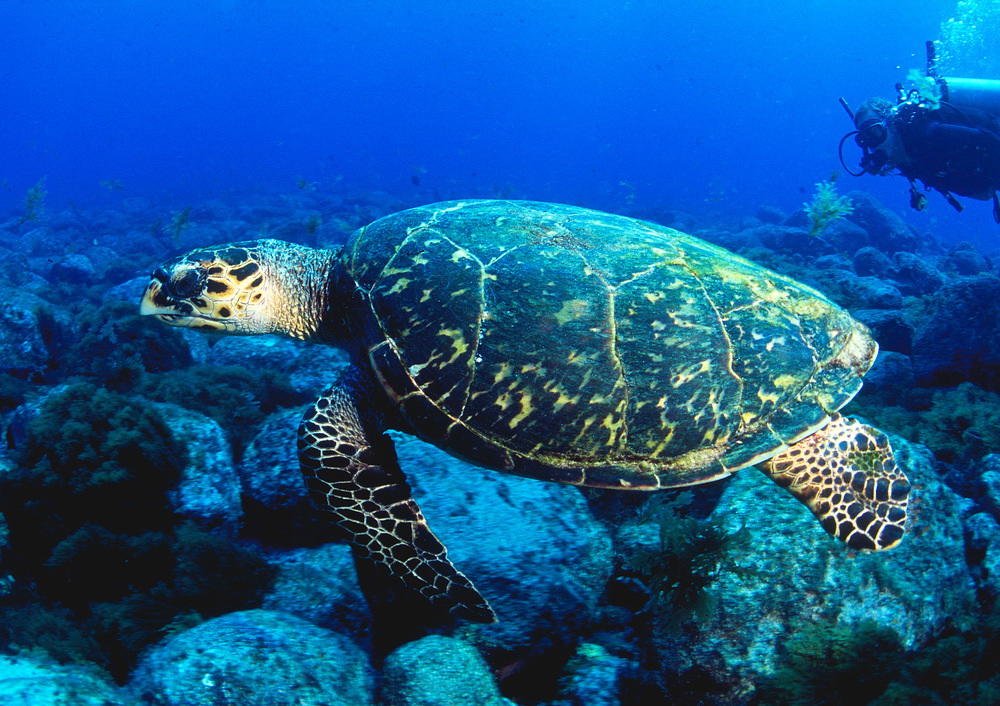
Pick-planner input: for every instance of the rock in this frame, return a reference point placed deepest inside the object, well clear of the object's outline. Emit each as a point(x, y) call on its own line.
point(989, 481)
point(846, 235)
point(593, 676)
point(831, 262)
point(311, 367)
point(32, 681)
point(872, 262)
point(73, 269)
point(543, 572)
point(984, 551)
point(967, 260)
point(136, 205)
point(439, 671)
point(209, 488)
point(269, 470)
point(861, 292)
point(958, 339)
point(532, 548)
point(254, 658)
point(771, 214)
point(802, 575)
point(278, 508)
point(917, 276)
point(23, 351)
point(891, 373)
point(792, 238)
point(103, 258)
point(319, 585)
point(886, 231)
point(889, 327)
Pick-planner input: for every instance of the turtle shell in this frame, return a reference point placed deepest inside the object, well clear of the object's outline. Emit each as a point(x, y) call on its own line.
point(572, 345)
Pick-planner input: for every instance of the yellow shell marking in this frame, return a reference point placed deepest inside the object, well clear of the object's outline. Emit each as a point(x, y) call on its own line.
point(526, 409)
point(572, 310)
point(458, 344)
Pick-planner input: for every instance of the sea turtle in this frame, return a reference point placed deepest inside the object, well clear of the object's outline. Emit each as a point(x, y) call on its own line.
point(553, 342)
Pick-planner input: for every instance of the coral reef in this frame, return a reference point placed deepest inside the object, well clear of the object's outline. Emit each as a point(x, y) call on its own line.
point(150, 501)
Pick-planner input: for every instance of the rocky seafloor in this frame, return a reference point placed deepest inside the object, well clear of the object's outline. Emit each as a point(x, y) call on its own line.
point(157, 546)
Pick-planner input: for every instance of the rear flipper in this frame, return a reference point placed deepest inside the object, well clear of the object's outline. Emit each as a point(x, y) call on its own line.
point(352, 471)
point(847, 475)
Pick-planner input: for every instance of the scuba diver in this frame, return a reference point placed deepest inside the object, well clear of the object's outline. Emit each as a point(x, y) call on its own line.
point(947, 136)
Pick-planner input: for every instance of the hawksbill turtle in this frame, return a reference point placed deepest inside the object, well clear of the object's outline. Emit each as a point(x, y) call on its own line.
point(553, 342)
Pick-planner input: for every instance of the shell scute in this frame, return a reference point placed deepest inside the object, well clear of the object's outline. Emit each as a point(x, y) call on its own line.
point(559, 342)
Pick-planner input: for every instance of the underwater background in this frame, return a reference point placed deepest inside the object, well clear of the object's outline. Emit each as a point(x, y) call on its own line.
point(156, 544)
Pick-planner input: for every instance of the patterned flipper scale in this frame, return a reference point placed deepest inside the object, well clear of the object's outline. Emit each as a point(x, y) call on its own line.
point(846, 474)
point(352, 472)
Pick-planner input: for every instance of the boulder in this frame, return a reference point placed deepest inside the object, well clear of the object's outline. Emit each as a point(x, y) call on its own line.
point(23, 351)
point(965, 259)
point(915, 275)
point(254, 658)
point(800, 575)
point(872, 262)
point(319, 584)
point(438, 671)
point(886, 230)
point(29, 680)
point(209, 488)
point(958, 338)
point(532, 548)
point(890, 328)
point(855, 292)
point(73, 269)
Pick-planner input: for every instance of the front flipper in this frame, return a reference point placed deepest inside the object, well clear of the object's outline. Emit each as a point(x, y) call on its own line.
point(351, 470)
point(847, 475)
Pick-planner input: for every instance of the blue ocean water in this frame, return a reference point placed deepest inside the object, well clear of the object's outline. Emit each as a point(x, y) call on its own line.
point(716, 107)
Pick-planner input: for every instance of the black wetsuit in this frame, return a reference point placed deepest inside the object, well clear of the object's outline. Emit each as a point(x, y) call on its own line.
point(959, 156)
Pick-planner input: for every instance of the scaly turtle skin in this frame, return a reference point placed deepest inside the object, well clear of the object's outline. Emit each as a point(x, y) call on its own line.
point(558, 343)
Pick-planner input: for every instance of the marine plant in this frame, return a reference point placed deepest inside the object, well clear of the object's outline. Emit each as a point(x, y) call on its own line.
point(180, 221)
point(866, 664)
point(826, 207)
point(94, 543)
point(112, 344)
point(234, 396)
point(690, 555)
point(34, 202)
point(831, 664)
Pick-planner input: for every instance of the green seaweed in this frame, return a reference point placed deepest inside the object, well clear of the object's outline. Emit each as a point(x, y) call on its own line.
point(93, 541)
point(34, 202)
point(867, 664)
point(826, 207)
point(691, 554)
point(238, 398)
point(834, 664)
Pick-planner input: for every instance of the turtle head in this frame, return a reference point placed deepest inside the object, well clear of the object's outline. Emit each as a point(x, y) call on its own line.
point(254, 287)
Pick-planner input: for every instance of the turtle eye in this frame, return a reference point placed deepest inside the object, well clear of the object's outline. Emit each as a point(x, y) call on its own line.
point(188, 283)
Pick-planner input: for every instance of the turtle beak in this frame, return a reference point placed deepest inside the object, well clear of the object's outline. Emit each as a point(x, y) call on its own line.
point(156, 302)
point(148, 306)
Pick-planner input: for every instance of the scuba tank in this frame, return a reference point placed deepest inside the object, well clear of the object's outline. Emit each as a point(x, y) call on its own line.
point(969, 93)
